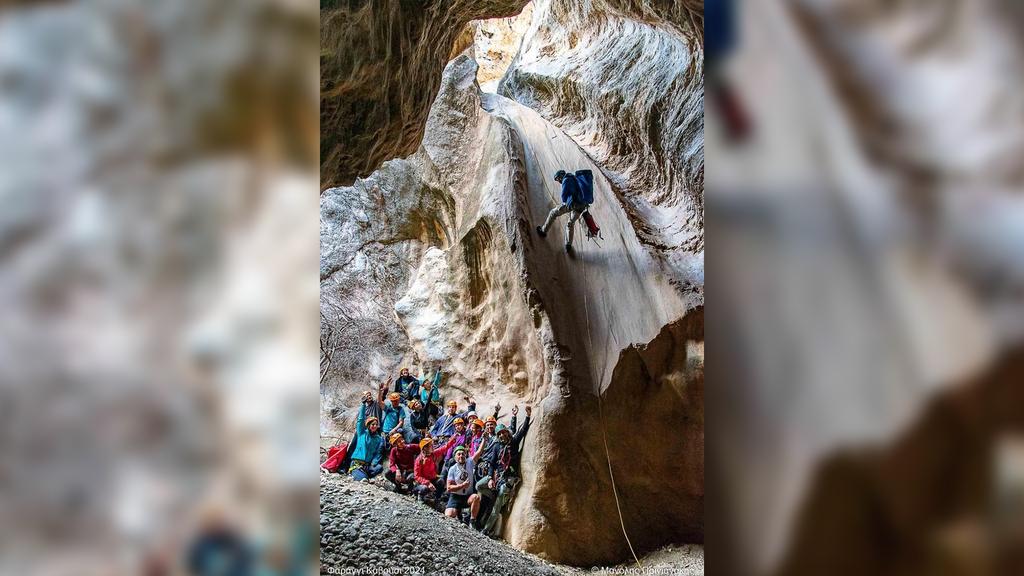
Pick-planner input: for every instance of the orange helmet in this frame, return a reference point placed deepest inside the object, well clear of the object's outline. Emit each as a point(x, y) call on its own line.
point(479, 422)
point(459, 421)
point(491, 420)
point(395, 437)
point(394, 396)
point(452, 404)
point(372, 420)
point(426, 442)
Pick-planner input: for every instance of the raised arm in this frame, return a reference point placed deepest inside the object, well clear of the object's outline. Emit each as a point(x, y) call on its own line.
point(518, 436)
point(361, 419)
point(407, 430)
point(484, 443)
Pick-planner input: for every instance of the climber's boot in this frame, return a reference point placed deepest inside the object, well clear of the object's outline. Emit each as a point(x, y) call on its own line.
point(541, 232)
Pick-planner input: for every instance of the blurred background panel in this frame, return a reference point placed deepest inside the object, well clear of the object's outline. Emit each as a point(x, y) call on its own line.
point(866, 286)
point(158, 286)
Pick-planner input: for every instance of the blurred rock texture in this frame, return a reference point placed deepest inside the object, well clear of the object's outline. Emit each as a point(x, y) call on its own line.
point(157, 240)
point(613, 87)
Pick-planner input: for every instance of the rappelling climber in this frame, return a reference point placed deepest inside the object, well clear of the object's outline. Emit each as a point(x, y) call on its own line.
point(401, 462)
point(577, 196)
point(367, 454)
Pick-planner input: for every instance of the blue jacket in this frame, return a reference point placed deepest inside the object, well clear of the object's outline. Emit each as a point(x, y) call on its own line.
point(391, 417)
point(368, 445)
point(445, 424)
point(570, 189)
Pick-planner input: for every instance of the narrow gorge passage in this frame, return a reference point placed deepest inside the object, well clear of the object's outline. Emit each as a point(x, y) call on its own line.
point(628, 297)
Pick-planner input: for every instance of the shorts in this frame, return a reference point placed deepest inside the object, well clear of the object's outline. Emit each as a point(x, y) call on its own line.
point(458, 501)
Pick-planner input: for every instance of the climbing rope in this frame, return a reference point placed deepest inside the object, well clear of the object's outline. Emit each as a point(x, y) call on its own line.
point(600, 414)
point(600, 406)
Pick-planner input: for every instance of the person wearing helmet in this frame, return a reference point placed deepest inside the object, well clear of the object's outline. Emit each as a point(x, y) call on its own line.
point(401, 462)
point(419, 419)
point(487, 439)
point(572, 204)
point(428, 482)
point(396, 417)
point(476, 430)
point(367, 454)
point(460, 487)
point(429, 392)
point(503, 460)
point(445, 424)
point(404, 385)
point(461, 437)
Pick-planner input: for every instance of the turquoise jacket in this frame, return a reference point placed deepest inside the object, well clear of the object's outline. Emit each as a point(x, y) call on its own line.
point(435, 394)
point(367, 445)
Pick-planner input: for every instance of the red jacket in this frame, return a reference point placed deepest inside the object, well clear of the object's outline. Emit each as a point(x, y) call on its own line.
point(403, 458)
point(425, 469)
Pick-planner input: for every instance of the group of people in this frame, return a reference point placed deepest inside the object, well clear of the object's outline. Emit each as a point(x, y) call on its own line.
point(450, 459)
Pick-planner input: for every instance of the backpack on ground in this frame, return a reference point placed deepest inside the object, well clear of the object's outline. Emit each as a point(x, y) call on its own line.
point(335, 456)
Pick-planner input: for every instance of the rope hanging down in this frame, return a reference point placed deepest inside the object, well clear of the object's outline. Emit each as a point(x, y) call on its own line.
point(600, 413)
point(600, 407)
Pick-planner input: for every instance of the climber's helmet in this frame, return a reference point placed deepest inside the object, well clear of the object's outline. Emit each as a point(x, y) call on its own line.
point(559, 175)
point(372, 424)
point(427, 446)
point(394, 397)
point(405, 372)
point(504, 434)
point(397, 439)
point(452, 406)
point(460, 450)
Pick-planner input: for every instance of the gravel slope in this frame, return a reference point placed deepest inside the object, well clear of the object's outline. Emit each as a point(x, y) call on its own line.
point(363, 525)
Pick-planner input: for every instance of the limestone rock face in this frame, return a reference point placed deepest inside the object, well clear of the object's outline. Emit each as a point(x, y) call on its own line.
point(380, 67)
point(514, 320)
point(625, 81)
point(496, 43)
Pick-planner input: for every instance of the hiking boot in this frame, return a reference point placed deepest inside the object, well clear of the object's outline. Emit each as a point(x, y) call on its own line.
point(541, 232)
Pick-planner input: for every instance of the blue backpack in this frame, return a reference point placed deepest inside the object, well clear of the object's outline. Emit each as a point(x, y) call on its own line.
point(585, 187)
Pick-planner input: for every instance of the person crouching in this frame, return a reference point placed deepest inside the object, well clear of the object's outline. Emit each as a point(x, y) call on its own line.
point(401, 462)
point(429, 484)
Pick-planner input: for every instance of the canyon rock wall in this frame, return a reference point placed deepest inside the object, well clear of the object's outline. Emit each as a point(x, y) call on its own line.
point(607, 344)
point(630, 92)
point(380, 67)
